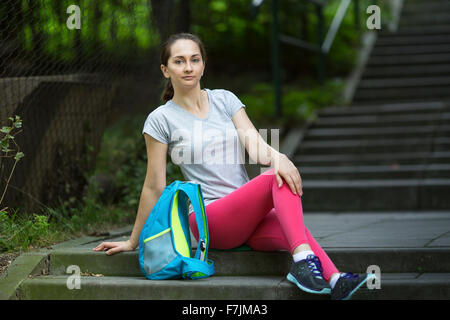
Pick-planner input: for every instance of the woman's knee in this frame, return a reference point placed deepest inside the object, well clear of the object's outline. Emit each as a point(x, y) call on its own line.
point(269, 172)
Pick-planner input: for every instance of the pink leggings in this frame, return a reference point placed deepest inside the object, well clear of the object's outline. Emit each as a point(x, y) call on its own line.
point(263, 216)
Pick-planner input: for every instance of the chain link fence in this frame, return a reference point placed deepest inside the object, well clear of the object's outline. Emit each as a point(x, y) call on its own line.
point(67, 68)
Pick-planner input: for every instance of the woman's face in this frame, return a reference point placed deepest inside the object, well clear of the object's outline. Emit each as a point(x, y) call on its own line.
point(185, 60)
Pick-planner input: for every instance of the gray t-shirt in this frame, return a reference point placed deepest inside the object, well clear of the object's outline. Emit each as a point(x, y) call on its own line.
point(208, 151)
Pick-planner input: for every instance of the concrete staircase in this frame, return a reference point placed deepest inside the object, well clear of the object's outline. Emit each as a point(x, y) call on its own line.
point(412, 265)
point(390, 149)
point(239, 275)
point(413, 63)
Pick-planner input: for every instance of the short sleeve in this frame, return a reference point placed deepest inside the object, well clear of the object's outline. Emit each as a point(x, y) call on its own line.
point(233, 104)
point(156, 127)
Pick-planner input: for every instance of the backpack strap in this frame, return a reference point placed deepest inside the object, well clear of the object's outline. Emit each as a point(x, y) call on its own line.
point(194, 193)
point(197, 269)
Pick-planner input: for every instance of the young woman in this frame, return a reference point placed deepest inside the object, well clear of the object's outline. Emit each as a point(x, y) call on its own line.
point(266, 212)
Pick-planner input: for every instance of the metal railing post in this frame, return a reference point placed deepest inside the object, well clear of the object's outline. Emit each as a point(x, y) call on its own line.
point(357, 17)
point(276, 59)
point(321, 57)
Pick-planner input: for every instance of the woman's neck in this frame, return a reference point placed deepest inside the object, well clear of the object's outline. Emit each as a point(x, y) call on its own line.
point(190, 100)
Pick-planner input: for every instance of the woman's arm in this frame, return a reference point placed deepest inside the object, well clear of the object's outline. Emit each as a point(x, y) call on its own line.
point(260, 152)
point(154, 184)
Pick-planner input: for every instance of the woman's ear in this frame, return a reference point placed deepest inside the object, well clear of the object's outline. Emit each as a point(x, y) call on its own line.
point(163, 69)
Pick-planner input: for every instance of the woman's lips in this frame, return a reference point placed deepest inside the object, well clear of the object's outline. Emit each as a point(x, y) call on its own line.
point(188, 78)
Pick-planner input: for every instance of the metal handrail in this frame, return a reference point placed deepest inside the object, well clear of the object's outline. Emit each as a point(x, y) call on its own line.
point(323, 45)
point(335, 25)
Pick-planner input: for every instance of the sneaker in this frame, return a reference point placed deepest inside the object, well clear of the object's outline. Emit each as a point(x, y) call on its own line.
point(348, 283)
point(307, 275)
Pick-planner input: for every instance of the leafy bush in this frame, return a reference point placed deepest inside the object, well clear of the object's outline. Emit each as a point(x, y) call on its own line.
point(123, 156)
point(9, 132)
point(237, 43)
point(298, 105)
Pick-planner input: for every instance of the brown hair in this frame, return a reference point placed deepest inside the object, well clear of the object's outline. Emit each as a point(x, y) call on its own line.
point(165, 55)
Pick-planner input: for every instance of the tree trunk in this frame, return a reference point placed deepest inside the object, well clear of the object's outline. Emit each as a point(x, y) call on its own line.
point(184, 16)
point(162, 14)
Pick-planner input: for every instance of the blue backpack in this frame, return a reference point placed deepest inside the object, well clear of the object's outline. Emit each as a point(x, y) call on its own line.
point(165, 241)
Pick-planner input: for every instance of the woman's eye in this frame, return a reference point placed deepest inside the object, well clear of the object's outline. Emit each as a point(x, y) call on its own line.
point(194, 60)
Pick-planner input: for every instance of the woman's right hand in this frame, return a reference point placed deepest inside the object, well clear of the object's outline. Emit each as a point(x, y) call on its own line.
point(114, 247)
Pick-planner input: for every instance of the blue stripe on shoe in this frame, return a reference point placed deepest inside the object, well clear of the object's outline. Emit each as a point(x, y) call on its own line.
point(292, 279)
point(369, 276)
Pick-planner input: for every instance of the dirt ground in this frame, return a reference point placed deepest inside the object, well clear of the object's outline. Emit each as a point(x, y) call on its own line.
point(6, 259)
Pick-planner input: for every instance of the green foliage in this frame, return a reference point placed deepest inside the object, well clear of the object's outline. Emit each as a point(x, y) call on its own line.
point(22, 232)
point(240, 43)
point(25, 232)
point(120, 28)
point(8, 137)
point(298, 105)
point(124, 28)
point(125, 143)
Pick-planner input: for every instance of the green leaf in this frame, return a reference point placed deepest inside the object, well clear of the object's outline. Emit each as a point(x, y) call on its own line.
point(6, 129)
point(19, 155)
point(218, 5)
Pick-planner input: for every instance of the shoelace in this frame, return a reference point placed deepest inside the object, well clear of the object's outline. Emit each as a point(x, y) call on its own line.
point(315, 266)
point(349, 275)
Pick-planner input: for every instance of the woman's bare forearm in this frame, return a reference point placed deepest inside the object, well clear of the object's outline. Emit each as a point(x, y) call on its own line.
point(258, 150)
point(149, 197)
point(264, 154)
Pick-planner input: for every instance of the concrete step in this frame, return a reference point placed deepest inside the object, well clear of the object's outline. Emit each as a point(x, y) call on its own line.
point(258, 263)
point(413, 49)
point(379, 171)
point(385, 100)
point(421, 82)
point(373, 159)
point(378, 121)
point(139, 288)
point(382, 95)
point(393, 286)
point(419, 70)
point(424, 286)
point(412, 2)
point(412, 39)
point(416, 31)
point(385, 109)
point(371, 195)
point(419, 18)
point(380, 132)
point(410, 59)
point(373, 146)
point(425, 8)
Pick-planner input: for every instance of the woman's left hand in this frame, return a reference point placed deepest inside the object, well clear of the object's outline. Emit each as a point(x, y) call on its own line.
point(285, 169)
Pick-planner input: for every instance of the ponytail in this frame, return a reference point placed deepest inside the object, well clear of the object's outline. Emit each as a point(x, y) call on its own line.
point(167, 92)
